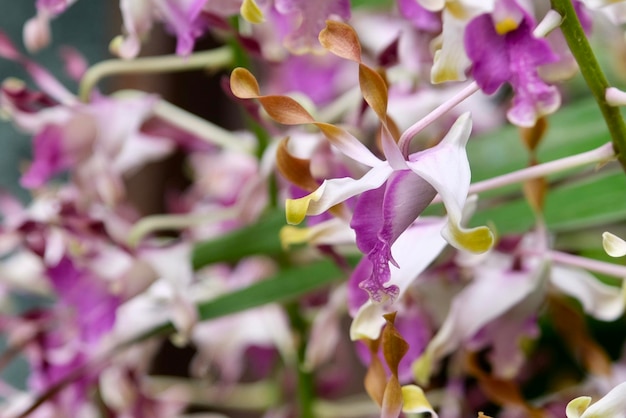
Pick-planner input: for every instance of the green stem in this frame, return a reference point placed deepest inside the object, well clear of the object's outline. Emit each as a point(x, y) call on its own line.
point(217, 58)
point(591, 71)
point(306, 384)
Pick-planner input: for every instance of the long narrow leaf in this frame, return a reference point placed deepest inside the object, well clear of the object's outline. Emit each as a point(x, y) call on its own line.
point(259, 238)
point(286, 285)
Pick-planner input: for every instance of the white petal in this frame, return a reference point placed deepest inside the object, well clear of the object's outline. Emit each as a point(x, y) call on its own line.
point(333, 192)
point(450, 61)
point(422, 238)
point(613, 245)
point(599, 300)
point(576, 407)
point(368, 321)
point(432, 5)
point(446, 168)
point(612, 405)
point(491, 294)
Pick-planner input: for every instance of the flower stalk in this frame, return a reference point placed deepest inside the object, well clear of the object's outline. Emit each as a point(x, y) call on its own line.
point(306, 385)
point(593, 74)
point(214, 59)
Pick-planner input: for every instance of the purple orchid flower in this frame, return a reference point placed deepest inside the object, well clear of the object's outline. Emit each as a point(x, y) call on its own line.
point(182, 17)
point(393, 192)
point(502, 48)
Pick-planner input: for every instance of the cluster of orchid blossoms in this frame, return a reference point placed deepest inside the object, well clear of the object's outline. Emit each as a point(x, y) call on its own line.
point(412, 220)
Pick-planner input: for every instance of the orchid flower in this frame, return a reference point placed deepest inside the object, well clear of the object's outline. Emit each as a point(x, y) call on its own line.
point(451, 61)
point(224, 343)
point(394, 191)
point(612, 405)
point(296, 22)
point(504, 296)
point(423, 238)
point(182, 17)
point(502, 48)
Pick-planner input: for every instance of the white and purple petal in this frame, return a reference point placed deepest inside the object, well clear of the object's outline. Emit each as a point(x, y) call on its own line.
point(414, 250)
point(379, 222)
point(512, 54)
point(333, 192)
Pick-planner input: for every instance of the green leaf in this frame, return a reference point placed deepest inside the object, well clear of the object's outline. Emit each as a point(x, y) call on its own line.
point(370, 3)
point(259, 238)
point(576, 128)
point(286, 285)
point(593, 201)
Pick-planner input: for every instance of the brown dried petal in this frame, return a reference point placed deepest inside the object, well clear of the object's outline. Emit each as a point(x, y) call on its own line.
point(341, 39)
point(285, 110)
point(243, 84)
point(374, 91)
point(531, 137)
point(570, 324)
point(296, 170)
point(392, 399)
point(535, 191)
point(376, 378)
point(394, 346)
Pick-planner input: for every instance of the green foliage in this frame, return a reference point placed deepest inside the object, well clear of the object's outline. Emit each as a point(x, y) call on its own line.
point(566, 208)
point(594, 197)
point(371, 3)
point(288, 284)
point(576, 128)
point(259, 238)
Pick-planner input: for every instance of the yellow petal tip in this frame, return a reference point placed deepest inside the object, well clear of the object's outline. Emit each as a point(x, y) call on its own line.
point(421, 368)
point(290, 235)
point(506, 25)
point(613, 245)
point(251, 12)
point(476, 240)
point(576, 407)
point(414, 400)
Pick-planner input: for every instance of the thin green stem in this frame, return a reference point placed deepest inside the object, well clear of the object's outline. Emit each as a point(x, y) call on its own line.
point(187, 121)
point(306, 384)
point(593, 74)
point(217, 58)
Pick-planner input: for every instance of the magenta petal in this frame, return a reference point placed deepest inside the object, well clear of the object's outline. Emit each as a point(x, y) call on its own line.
point(488, 52)
point(94, 306)
point(316, 76)
point(380, 257)
point(533, 97)
point(367, 220)
point(420, 18)
point(512, 57)
point(7, 49)
point(379, 219)
point(184, 20)
point(52, 7)
point(357, 296)
point(413, 326)
point(406, 197)
point(49, 157)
